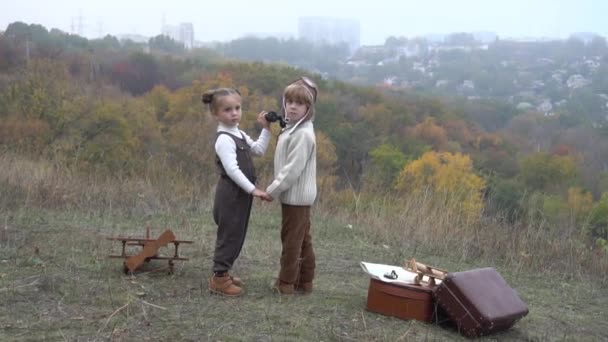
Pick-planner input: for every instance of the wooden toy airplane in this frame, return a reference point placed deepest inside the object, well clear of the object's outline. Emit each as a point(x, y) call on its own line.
point(149, 250)
point(423, 270)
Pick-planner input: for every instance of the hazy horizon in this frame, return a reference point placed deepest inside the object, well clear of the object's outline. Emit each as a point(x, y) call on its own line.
point(378, 20)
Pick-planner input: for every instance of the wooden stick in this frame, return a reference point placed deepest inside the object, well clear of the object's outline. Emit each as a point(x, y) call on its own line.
point(16, 287)
point(112, 315)
point(152, 305)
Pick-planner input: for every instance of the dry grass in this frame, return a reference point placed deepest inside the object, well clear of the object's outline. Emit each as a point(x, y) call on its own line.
point(418, 222)
point(413, 221)
point(44, 184)
point(56, 282)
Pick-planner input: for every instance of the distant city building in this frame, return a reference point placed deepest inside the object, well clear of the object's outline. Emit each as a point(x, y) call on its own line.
point(592, 64)
point(410, 50)
point(468, 84)
point(577, 81)
point(537, 85)
point(441, 83)
point(419, 66)
point(322, 30)
point(389, 81)
point(545, 107)
point(467, 88)
point(524, 106)
point(183, 33)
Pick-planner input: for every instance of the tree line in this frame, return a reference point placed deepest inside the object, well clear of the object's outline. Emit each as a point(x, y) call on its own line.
point(98, 106)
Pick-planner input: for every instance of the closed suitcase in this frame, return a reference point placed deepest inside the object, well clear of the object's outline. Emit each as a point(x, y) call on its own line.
point(479, 301)
point(400, 300)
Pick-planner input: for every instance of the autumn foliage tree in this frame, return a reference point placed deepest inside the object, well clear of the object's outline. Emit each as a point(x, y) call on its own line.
point(326, 165)
point(430, 132)
point(144, 107)
point(34, 105)
point(580, 204)
point(385, 165)
point(137, 74)
point(598, 221)
point(549, 173)
point(107, 139)
point(447, 174)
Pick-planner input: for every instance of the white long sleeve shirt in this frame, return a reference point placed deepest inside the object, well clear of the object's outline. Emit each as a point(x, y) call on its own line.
point(225, 147)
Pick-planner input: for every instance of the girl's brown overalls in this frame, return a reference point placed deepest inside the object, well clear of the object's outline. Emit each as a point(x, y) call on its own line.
point(232, 208)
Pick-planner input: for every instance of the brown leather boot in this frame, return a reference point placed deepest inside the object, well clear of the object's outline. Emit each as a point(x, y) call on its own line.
point(224, 286)
point(237, 281)
point(283, 287)
point(304, 288)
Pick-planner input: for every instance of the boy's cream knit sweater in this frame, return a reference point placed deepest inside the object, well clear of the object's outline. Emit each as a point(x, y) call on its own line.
point(295, 166)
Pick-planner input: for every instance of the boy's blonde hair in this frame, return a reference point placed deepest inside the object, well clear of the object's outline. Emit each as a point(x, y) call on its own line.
point(305, 91)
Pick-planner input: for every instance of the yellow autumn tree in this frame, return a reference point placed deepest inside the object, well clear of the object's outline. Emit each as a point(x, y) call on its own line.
point(185, 106)
point(158, 98)
point(580, 203)
point(445, 174)
point(327, 161)
point(189, 132)
point(107, 139)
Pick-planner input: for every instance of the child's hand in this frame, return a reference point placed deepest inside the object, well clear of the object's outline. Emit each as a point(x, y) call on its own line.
point(262, 194)
point(262, 120)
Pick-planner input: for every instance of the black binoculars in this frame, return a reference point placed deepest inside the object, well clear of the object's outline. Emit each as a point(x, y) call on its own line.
point(273, 116)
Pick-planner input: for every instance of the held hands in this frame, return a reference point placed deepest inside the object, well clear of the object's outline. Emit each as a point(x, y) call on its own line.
point(262, 195)
point(262, 120)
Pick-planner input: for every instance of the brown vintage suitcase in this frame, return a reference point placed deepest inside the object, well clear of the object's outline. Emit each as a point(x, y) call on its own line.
point(400, 300)
point(479, 301)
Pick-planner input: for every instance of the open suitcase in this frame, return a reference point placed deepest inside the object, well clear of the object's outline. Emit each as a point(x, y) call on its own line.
point(479, 302)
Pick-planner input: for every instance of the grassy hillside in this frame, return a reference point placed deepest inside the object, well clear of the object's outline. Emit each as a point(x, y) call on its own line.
point(56, 283)
point(104, 139)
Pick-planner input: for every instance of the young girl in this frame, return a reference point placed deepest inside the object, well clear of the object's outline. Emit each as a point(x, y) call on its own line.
point(235, 189)
point(295, 185)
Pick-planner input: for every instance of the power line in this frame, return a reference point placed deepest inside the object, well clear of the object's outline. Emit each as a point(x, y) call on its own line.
point(80, 24)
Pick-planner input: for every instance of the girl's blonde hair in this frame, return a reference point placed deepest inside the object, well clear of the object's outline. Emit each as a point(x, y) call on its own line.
point(212, 97)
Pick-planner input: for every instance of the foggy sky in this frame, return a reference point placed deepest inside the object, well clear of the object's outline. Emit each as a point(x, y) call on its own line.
point(378, 18)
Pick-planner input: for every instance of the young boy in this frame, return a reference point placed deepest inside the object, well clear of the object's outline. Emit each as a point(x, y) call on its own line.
point(295, 185)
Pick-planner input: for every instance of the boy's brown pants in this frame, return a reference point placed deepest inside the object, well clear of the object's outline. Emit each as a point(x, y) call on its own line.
point(297, 256)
